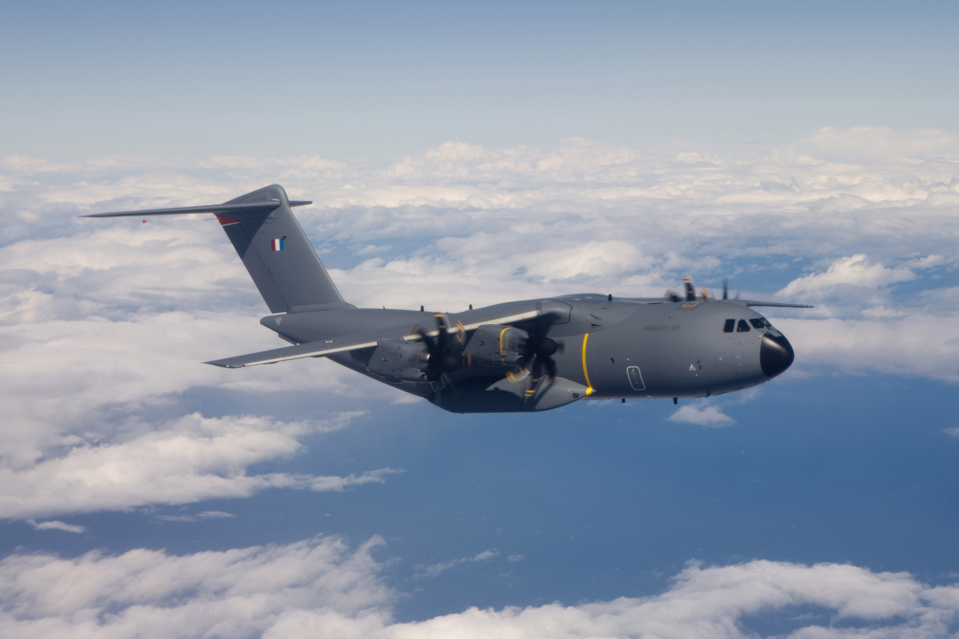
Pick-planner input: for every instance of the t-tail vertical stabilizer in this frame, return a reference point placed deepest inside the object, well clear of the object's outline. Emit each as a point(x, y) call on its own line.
point(278, 255)
point(273, 247)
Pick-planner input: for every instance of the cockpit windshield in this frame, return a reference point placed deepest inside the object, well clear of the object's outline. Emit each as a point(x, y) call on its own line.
point(742, 326)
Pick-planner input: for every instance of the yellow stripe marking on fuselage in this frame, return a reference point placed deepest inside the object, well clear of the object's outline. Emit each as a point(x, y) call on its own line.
point(589, 387)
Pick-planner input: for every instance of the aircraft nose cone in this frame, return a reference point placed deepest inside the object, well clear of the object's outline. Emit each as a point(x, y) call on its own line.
point(775, 355)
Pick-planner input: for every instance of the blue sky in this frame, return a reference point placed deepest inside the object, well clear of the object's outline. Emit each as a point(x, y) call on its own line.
point(469, 156)
point(385, 79)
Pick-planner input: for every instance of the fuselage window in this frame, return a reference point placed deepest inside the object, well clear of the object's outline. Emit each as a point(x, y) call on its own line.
point(758, 323)
point(729, 326)
point(742, 327)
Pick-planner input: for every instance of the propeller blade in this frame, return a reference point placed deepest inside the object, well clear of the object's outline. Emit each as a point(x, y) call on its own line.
point(543, 376)
point(690, 289)
point(522, 372)
point(445, 352)
point(432, 373)
point(537, 364)
point(430, 344)
point(441, 330)
point(725, 288)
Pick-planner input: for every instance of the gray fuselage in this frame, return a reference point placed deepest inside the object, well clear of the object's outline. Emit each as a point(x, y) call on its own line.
point(614, 348)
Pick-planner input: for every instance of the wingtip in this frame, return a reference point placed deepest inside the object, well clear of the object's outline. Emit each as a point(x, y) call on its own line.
point(222, 364)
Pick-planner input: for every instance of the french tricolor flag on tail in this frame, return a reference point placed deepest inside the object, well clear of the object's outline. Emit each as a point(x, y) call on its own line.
point(277, 244)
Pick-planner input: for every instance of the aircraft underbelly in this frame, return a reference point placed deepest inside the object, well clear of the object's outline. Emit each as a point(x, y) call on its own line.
point(488, 395)
point(355, 361)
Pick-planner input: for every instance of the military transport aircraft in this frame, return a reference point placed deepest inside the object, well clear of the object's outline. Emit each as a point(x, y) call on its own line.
point(530, 355)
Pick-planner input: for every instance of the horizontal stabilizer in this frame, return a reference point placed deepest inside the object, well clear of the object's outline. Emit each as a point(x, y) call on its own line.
point(310, 349)
point(274, 249)
point(234, 210)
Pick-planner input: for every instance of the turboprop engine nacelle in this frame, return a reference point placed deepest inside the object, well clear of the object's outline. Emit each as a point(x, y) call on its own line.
point(496, 345)
point(399, 361)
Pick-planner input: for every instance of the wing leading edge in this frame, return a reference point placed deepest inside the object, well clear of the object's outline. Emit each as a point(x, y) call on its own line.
point(661, 300)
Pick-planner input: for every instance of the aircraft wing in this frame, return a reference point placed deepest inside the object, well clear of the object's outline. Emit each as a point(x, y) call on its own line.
point(779, 304)
point(325, 347)
point(661, 300)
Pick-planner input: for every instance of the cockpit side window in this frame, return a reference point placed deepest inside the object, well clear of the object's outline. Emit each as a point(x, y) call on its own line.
point(729, 326)
point(758, 323)
point(742, 327)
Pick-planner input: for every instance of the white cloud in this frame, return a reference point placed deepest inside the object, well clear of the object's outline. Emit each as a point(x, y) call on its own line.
point(116, 317)
point(917, 345)
point(845, 275)
point(122, 316)
point(438, 569)
point(719, 602)
point(237, 593)
point(702, 413)
point(206, 514)
point(189, 460)
point(56, 525)
point(603, 258)
point(97, 315)
point(320, 588)
point(873, 144)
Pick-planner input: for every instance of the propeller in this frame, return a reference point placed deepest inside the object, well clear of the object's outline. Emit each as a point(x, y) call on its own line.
point(538, 363)
point(445, 351)
point(726, 289)
point(690, 292)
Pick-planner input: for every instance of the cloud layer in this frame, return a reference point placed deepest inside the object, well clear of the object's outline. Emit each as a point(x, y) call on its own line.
point(321, 588)
point(711, 602)
point(102, 321)
point(237, 593)
point(190, 460)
